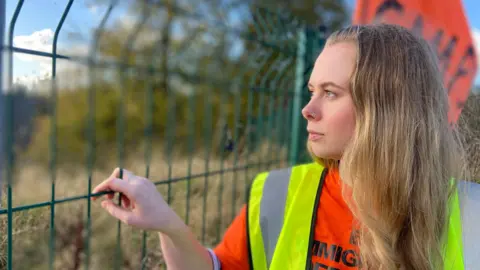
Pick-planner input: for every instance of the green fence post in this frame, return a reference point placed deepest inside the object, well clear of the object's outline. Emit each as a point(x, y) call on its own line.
point(310, 42)
point(2, 93)
point(9, 134)
point(297, 96)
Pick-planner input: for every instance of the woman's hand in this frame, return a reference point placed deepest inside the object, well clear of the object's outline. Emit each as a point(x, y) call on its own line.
point(142, 206)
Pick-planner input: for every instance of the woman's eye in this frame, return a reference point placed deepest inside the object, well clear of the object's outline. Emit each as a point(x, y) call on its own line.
point(329, 93)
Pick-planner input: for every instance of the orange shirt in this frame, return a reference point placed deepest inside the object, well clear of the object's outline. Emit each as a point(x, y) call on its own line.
point(334, 242)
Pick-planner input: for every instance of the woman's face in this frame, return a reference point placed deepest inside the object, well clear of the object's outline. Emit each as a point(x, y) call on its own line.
point(330, 112)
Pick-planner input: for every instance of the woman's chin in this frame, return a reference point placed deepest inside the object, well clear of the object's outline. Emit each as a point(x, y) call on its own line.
point(323, 154)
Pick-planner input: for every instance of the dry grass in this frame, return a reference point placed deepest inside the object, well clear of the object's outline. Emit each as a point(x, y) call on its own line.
point(31, 229)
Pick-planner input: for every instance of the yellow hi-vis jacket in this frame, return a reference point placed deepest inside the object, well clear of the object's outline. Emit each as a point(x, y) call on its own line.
point(281, 213)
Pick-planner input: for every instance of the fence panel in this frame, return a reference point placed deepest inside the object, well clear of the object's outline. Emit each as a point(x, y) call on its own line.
point(198, 96)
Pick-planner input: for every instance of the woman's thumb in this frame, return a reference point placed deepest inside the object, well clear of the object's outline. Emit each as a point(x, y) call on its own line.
point(120, 213)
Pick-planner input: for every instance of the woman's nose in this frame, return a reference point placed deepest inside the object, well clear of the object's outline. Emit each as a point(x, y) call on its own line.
point(309, 113)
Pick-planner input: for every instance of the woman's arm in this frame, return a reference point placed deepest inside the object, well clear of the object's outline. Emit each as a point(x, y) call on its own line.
point(143, 207)
point(182, 251)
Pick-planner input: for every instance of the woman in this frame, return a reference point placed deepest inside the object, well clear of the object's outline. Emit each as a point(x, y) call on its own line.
point(381, 141)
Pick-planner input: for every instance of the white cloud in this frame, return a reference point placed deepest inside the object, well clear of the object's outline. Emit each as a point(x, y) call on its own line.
point(40, 77)
point(38, 40)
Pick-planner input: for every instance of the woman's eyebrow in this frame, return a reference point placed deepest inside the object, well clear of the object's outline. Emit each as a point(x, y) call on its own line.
point(325, 85)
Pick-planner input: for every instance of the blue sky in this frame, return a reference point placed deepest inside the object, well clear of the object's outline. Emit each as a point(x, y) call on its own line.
point(36, 25)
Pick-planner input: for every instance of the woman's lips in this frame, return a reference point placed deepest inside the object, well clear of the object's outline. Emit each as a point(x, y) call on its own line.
point(314, 136)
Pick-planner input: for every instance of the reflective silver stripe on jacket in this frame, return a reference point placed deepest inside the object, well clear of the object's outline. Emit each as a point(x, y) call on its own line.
point(469, 197)
point(274, 198)
point(272, 208)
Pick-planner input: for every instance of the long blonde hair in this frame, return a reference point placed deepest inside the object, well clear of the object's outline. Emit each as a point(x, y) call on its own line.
point(403, 154)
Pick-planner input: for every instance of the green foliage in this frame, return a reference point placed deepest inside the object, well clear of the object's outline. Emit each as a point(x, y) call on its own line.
point(175, 119)
point(331, 14)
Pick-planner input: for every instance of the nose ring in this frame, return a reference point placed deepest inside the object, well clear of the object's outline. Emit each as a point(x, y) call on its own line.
point(314, 115)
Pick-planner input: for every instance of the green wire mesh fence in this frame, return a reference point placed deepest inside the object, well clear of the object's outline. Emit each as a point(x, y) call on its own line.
point(198, 96)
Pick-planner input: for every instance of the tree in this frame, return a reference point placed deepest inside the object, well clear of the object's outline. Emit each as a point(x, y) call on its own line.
point(331, 14)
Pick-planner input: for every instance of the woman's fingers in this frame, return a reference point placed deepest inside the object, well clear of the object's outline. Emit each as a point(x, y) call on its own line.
point(116, 173)
point(118, 212)
point(114, 184)
point(127, 175)
point(125, 201)
point(141, 204)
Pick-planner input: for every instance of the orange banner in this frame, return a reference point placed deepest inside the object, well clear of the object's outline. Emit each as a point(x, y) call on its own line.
point(444, 25)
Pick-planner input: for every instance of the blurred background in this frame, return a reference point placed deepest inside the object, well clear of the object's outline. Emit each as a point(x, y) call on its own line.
point(197, 95)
